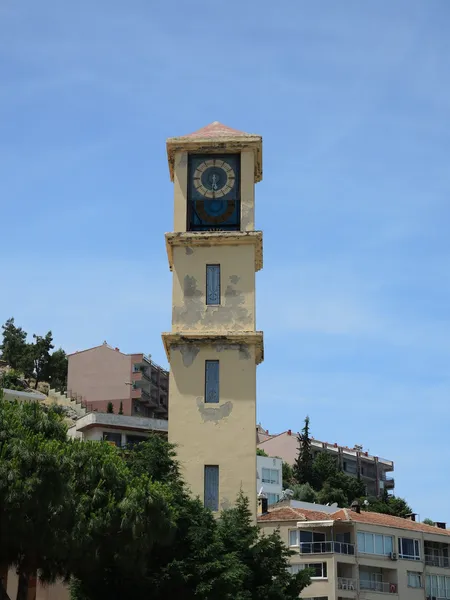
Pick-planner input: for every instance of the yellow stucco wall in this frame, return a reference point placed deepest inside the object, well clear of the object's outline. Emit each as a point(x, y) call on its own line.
point(237, 272)
point(220, 434)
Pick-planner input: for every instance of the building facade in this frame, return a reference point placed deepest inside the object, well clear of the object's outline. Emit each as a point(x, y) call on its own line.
point(363, 555)
point(103, 374)
point(269, 478)
point(373, 470)
point(214, 347)
point(120, 430)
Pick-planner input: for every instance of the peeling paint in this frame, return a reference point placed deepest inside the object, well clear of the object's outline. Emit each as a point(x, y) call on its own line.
point(194, 312)
point(188, 352)
point(190, 287)
point(214, 413)
point(244, 353)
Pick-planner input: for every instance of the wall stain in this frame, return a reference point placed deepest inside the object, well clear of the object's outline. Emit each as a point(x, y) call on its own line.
point(189, 250)
point(188, 353)
point(214, 414)
point(194, 312)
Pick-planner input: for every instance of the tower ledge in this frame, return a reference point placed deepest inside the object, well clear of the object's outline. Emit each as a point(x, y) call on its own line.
point(215, 238)
point(244, 338)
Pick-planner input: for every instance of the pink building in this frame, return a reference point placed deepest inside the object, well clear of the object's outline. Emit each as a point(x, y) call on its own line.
point(103, 374)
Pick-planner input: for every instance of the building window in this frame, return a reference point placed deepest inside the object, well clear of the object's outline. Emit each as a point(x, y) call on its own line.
point(374, 543)
point(414, 579)
point(309, 541)
point(270, 475)
point(272, 498)
point(409, 548)
point(212, 487)
point(349, 466)
point(319, 570)
point(213, 284)
point(112, 438)
point(212, 381)
point(437, 586)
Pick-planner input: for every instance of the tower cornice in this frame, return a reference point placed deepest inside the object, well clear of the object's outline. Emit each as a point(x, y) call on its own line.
point(213, 338)
point(215, 238)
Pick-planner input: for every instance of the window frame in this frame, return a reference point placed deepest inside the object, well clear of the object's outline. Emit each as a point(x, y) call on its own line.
point(416, 544)
point(311, 565)
point(385, 537)
point(212, 505)
point(208, 382)
point(208, 291)
point(419, 576)
point(272, 481)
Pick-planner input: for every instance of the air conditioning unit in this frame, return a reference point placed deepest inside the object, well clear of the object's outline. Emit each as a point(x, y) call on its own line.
point(393, 555)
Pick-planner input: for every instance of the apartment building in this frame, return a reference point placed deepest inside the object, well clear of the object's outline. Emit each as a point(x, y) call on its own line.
point(372, 470)
point(103, 374)
point(363, 555)
point(269, 478)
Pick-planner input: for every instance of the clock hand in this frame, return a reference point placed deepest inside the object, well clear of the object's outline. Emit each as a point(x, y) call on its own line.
point(214, 182)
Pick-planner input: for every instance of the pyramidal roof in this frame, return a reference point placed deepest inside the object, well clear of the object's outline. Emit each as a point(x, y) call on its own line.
point(216, 129)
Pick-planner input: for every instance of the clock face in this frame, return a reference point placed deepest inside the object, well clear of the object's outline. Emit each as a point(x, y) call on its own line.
point(214, 178)
point(213, 192)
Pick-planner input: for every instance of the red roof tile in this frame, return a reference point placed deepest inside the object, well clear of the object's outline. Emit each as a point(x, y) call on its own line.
point(215, 130)
point(289, 513)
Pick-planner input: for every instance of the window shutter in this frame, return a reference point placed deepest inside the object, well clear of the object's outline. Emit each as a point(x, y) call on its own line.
point(212, 284)
point(212, 381)
point(212, 487)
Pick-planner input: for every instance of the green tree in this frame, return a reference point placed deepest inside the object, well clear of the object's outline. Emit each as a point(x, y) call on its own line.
point(287, 475)
point(304, 492)
point(261, 452)
point(121, 408)
point(390, 505)
point(37, 358)
point(110, 408)
point(324, 467)
point(11, 380)
point(14, 345)
point(304, 461)
point(428, 521)
point(33, 491)
point(57, 370)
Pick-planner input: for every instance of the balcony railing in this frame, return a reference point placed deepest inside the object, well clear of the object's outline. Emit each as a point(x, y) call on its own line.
point(383, 587)
point(437, 561)
point(326, 547)
point(346, 583)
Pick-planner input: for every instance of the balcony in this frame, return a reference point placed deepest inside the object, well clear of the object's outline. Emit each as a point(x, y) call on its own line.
point(347, 583)
point(326, 548)
point(382, 587)
point(389, 483)
point(437, 561)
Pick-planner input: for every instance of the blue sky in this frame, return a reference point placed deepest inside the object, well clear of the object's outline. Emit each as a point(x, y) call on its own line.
point(352, 99)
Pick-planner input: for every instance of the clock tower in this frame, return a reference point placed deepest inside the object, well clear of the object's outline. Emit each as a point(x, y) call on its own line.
point(213, 347)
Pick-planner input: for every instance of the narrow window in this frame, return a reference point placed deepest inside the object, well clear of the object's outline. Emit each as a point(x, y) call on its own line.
point(212, 381)
point(213, 284)
point(212, 487)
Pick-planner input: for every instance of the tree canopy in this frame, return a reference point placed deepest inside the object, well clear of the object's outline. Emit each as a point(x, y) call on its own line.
point(33, 359)
point(120, 523)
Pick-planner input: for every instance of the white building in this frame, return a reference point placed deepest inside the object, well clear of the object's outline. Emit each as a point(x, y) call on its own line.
point(120, 430)
point(269, 477)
